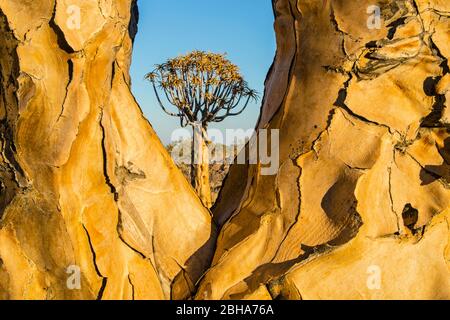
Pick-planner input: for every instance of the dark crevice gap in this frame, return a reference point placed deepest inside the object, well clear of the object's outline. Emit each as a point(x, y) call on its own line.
point(391, 200)
point(340, 102)
point(61, 39)
point(134, 19)
point(297, 216)
point(410, 217)
point(102, 289)
point(105, 162)
point(329, 120)
point(113, 72)
point(444, 63)
point(97, 270)
point(372, 44)
point(13, 180)
point(393, 27)
point(338, 29)
point(429, 87)
point(132, 287)
point(70, 73)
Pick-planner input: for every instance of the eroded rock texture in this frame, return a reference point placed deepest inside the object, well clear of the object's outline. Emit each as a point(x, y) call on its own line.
point(85, 181)
point(363, 183)
point(362, 187)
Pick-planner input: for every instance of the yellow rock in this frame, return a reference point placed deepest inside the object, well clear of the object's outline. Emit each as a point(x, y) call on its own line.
point(358, 208)
point(86, 184)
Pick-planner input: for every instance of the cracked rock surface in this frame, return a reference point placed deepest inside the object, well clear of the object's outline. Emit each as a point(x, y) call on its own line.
point(85, 181)
point(363, 182)
point(363, 185)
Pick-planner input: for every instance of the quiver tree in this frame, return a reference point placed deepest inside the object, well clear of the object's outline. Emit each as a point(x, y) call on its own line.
point(203, 88)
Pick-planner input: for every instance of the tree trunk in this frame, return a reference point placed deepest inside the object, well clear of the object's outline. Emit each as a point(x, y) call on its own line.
point(200, 164)
point(91, 203)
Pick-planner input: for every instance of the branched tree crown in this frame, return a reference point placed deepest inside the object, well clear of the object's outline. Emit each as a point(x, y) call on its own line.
point(204, 87)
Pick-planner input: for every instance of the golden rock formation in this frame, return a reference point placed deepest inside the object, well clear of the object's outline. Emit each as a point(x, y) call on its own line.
point(358, 209)
point(85, 181)
point(362, 192)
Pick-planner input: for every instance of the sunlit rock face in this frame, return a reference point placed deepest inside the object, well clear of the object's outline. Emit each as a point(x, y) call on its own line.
point(85, 183)
point(359, 208)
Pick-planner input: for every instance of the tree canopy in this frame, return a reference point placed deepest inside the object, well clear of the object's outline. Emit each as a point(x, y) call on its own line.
point(204, 87)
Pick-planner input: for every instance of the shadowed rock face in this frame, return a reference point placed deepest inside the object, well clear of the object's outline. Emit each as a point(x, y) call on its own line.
point(357, 209)
point(85, 181)
point(362, 192)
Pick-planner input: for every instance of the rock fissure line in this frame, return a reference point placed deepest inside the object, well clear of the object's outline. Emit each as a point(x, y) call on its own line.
point(94, 260)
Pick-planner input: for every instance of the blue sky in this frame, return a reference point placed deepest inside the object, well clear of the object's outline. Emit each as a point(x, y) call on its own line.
point(241, 28)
